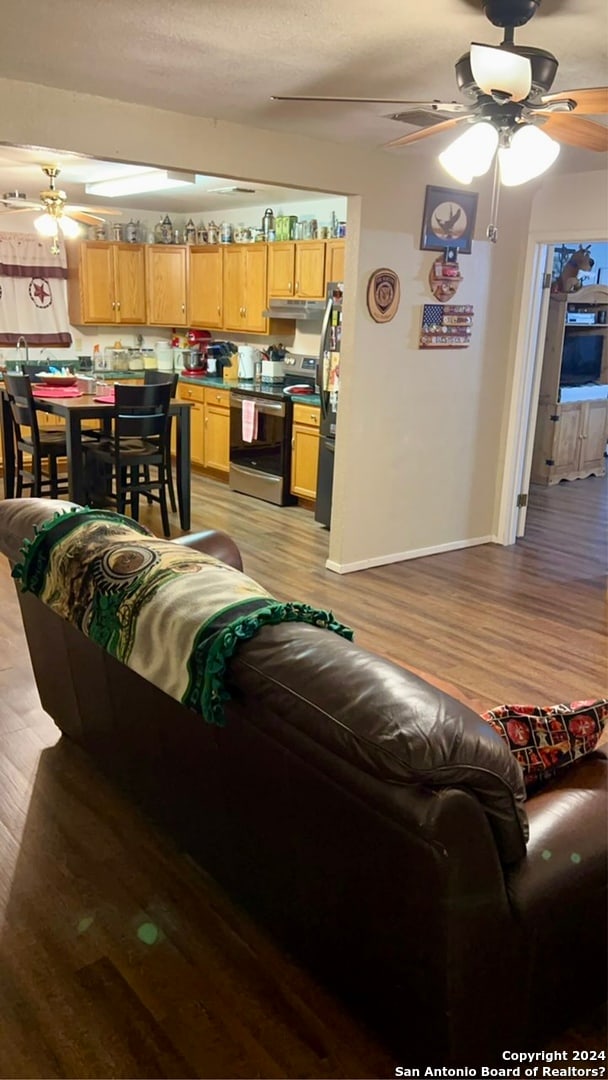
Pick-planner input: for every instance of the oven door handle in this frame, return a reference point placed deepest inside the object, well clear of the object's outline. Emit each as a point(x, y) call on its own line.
point(277, 407)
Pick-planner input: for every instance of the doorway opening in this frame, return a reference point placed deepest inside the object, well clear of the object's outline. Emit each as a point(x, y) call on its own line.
point(554, 325)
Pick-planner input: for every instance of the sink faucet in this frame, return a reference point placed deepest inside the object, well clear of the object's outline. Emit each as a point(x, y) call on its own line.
point(22, 344)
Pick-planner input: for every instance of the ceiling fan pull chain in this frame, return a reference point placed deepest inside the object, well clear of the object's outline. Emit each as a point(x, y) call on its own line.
point(492, 229)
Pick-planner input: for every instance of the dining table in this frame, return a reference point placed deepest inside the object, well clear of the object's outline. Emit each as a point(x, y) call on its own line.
point(75, 411)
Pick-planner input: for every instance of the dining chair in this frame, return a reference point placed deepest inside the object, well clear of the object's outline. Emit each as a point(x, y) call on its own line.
point(131, 461)
point(155, 378)
point(34, 445)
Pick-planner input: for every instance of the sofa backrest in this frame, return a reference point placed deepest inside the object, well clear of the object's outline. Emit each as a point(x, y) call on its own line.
point(383, 719)
point(370, 712)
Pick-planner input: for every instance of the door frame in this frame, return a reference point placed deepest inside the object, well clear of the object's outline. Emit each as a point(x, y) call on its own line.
point(523, 404)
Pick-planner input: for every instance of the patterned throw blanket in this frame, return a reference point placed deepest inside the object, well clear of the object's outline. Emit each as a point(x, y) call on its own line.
point(172, 614)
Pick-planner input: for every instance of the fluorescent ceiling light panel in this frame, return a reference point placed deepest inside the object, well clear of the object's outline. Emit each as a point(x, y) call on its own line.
point(140, 183)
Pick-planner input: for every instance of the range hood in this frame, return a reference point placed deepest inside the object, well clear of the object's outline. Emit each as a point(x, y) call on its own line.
point(280, 308)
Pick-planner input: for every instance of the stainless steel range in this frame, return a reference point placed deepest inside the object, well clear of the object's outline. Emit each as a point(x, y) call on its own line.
point(260, 442)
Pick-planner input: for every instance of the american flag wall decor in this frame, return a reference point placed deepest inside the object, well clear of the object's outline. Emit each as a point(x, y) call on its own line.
point(446, 326)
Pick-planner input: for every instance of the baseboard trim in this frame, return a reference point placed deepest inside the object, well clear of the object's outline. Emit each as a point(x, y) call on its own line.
point(402, 556)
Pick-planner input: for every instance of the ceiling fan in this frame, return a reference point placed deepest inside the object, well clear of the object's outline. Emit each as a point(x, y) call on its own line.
point(507, 89)
point(57, 213)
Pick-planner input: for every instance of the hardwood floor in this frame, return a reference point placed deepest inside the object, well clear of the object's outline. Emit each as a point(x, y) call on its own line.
point(118, 956)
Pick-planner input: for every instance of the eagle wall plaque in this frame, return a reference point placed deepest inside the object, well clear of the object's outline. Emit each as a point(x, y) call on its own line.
point(383, 295)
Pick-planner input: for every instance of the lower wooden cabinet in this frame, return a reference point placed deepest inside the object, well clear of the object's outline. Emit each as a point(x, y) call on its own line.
point(217, 429)
point(570, 441)
point(305, 451)
point(209, 424)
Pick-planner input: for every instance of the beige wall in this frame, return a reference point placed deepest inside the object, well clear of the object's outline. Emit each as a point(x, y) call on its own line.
point(420, 433)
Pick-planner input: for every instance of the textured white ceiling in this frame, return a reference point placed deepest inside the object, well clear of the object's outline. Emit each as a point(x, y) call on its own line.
point(226, 58)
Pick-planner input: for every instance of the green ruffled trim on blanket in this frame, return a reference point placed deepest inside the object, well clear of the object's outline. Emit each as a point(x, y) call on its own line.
point(210, 699)
point(31, 572)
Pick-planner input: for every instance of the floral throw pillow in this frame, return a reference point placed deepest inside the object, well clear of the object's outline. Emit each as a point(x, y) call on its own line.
point(544, 738)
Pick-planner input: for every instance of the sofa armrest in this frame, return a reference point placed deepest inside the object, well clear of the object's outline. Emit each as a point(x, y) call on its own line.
point(215, 543)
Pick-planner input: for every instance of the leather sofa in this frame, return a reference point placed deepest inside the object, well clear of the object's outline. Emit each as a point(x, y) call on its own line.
point(378, 826)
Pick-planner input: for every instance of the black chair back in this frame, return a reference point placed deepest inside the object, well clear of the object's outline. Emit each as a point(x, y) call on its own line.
point(32, 446)
point(155, 378)
point(23, 410)
point(141, 412)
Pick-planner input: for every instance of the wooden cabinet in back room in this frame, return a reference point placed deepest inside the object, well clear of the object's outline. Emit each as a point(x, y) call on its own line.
point(106, 283)
point(244, 280)
point(166, 278)
point(205, 286)
point(297, 269)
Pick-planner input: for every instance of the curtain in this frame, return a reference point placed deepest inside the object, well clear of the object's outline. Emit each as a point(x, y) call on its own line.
point(33, 297)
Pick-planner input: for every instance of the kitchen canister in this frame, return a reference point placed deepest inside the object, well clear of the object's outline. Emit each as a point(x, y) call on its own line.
point(164, 355)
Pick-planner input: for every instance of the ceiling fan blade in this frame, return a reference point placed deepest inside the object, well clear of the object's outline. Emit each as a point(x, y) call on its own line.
point(495, 67)
point(30, 208)
point(434, 129)
point(592, 100)
point(86, 219)
point(433, 106)
point(573, 130)
point(105, 212)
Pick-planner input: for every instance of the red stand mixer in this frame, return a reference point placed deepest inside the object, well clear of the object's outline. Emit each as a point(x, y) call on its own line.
point(204, 356)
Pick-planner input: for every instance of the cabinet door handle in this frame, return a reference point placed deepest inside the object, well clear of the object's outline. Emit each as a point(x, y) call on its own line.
point(113, 305)
point(183, 309)
point(293, 444)
point(297, 286)
point(118, 305)
point(289, 286)
point(219, 310)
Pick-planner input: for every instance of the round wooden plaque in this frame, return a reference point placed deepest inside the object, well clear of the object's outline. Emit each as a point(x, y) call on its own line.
point(383, 295)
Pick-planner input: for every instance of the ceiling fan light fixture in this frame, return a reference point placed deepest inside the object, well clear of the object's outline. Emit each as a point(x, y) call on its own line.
point(471, 154)
point(69, 227)
point(496, 68)
point(46, 225)
point(140, 183)
point(530, 154)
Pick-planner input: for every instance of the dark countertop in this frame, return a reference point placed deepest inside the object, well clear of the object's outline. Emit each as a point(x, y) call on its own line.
point(269, 389)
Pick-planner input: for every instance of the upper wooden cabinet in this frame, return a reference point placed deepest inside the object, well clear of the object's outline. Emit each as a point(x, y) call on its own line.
point(297, 269)
point(205, 286)
point(244, 277)
point(106, 282)
point(166, 275)
point(334, 260)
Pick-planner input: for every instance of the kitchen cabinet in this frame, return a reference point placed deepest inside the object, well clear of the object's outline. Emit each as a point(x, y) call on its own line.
point(166, 279)
point(216, 444)
point(210, 425)
point(244, 281)
point(334, 261)
point(297, 270)
point(305, 451)
point(205, 286)
point(106, 283)
point(570, 441)
point(195, 394)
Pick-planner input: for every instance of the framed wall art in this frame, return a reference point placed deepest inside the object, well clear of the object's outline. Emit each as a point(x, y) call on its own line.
point(448, 220)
